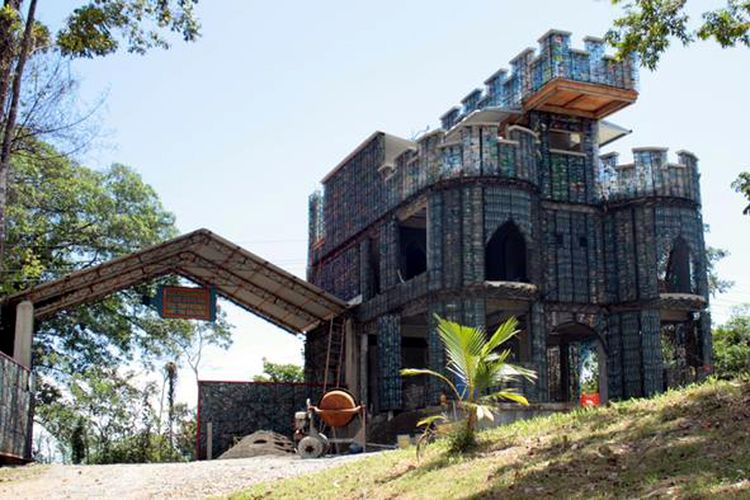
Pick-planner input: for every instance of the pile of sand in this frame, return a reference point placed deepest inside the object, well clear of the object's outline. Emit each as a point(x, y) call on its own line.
point(260, 443)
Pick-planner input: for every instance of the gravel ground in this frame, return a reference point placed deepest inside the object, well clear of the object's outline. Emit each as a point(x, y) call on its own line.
point(136, 481)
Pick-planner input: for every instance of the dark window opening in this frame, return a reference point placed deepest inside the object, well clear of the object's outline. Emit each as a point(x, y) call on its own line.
point(559, 239)
point(682, 359)
point(565, 141)
point(414, 354)
point(414, 260)
point(413, 245)
point(678, 278)
point(555, 382)
point(583, 242)
point(505, 255)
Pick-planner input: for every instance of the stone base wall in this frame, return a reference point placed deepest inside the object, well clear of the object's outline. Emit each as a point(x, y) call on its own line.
point(236, 409)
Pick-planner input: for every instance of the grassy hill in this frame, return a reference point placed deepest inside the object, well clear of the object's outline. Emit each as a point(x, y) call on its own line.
point(691, 443)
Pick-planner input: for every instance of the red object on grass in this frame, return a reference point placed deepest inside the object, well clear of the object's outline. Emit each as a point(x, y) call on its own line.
point(590, 399)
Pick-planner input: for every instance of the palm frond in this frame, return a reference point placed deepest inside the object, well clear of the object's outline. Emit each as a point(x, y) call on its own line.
point(431, 420)
point(505, 331)
point(412, 372)
point(510, 395)
point(463, 344)
point(511, 370)
point(484, 412)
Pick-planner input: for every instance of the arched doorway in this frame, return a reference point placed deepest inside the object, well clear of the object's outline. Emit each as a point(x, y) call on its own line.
point(681, 351)
point(505, 255)
point(576, 365)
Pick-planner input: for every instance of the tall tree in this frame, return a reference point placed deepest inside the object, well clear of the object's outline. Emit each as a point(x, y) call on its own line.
point(280, 372)
point(190, 347)
point(742, 186)
point(170, 372)
point(94, 28)
point(63, 216)
point(716, 284)
point(103, 417)
point(78, 442)
point(732, 344)
point(9, 122)
point(648, 27)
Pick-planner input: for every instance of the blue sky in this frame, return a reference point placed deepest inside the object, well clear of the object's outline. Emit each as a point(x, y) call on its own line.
point(236, 130)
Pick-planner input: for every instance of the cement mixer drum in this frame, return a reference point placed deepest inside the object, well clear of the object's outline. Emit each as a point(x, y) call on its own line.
point(331, 405)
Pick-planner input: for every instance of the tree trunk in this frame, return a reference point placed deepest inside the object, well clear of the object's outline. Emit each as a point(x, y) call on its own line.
point(471, 421)
point(10, 125)
point(6, 64)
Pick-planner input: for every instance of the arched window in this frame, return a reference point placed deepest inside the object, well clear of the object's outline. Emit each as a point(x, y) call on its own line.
point(505, 255)
point(678, 279)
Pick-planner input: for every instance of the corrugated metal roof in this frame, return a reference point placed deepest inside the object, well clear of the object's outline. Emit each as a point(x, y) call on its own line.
point(207, 259)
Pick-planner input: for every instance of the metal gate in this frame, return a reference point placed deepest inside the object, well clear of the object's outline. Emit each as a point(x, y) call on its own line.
point(16, 396)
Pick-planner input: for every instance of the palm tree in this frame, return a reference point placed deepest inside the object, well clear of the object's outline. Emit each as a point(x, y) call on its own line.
point(481, 368)
point(170, 373)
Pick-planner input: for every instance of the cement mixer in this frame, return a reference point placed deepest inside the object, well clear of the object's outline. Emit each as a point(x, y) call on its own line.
point(336, 410)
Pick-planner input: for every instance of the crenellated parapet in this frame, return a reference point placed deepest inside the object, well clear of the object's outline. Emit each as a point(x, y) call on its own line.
point(470, 151)
point(387, 171)
point(536, 127)
point(532, 70)
point(650, 174)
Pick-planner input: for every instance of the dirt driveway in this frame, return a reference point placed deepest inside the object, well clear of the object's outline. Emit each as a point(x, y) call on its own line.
point(176, 480)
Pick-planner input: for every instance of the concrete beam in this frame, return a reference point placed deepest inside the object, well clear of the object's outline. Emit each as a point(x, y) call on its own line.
point(24, 333)
point(351, 359)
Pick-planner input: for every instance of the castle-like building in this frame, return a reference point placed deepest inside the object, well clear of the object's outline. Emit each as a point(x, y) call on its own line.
point(511, 209)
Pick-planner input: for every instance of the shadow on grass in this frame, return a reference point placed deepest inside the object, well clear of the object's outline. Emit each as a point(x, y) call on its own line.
point(683, 447)
point(442, 458)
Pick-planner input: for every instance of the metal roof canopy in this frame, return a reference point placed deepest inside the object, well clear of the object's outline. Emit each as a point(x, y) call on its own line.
point(206, 259)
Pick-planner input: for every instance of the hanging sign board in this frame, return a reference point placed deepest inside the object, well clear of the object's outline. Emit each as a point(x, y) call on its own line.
point(181, 302)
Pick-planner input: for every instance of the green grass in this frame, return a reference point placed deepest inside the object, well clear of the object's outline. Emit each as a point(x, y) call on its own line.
point(692, 443)
point(20, 472)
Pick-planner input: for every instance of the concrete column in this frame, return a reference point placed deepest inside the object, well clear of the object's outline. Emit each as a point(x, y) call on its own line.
point(351, 359)
point(651, 357)
point(364, 381)
point(565, 371)
point(603, 381)
point(536, 322)
point(435, 353)
point(389, 352)
point(209, 441)
point(24, 333)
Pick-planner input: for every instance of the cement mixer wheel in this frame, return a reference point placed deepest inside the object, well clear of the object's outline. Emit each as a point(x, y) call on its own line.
point(312, 447)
